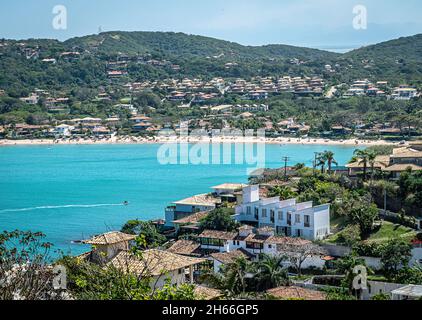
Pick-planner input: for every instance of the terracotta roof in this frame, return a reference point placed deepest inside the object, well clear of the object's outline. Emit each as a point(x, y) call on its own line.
point(184, 247)
point(214, 234)
point(110, 238)
point(192, 219)
point(230, 257)
point(380, 162)
point(402, 167)
point(152, 262)
point(205, 293)
point(409, 154)
point(297, 293)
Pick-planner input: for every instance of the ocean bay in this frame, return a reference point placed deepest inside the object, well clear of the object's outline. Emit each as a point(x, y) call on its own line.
point(72, 192)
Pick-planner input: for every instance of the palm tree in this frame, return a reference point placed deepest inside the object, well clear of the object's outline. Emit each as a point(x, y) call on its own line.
point(321, 161)
point(363, 156)
point(271, 272)
point(328, 156)
point(371, 159)
point(232, 278)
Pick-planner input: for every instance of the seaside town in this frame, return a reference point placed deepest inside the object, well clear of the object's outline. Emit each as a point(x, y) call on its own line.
point(256, 241)
point(90, 211)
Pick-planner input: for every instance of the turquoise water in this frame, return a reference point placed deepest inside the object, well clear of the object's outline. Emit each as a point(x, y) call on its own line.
point(73, 192)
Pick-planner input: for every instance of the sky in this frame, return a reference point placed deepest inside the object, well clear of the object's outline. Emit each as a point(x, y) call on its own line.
point(312, 23)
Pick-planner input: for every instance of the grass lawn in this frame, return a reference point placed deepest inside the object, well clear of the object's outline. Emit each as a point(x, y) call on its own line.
point(386, 232)
point(390, 230)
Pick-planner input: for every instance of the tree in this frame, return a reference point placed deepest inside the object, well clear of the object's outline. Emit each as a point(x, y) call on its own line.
point(147, 230)
point(321, 161)
point(271, 272)
point(283, 192)
point(328, 156)
point(232, 278)
point(297, 251)
point(364, 215)
point(219, 219)
point(363, 156)
point(25, 272)
point(88, 281)
point(395, 254)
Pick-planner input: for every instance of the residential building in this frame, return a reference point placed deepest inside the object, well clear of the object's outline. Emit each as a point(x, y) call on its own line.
point(187, 207)
point(252, 242)
point(288, 217)
point(161, 267)
point(401, 160)
point(410, 292)
point(63, 130)
point(106, 246)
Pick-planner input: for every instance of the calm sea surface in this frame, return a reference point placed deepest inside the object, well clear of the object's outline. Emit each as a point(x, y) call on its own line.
point(73, 192)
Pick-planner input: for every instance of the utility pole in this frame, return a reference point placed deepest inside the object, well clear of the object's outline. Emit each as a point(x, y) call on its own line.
point(285, 159)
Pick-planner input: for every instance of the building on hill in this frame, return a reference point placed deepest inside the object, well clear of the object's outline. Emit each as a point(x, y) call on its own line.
point(401, 160)
point(106, 246)
point(288, 217)
point(161, 267)
point(252, 242)
point(221, 259)
point(187, 207)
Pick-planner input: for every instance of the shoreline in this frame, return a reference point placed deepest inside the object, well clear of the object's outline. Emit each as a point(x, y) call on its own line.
point(158, 140)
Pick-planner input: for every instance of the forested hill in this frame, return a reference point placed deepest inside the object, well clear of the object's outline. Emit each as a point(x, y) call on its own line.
point(396, 59)
point(180, 44)
point(157, 55)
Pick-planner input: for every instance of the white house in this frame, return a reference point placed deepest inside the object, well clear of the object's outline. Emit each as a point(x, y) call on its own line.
point(288, 217)
point(63, 130)
point(252, 242)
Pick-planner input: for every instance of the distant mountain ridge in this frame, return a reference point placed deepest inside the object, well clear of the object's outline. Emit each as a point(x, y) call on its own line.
point(189, 45)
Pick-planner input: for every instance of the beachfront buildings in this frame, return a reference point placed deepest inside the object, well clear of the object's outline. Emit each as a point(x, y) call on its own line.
point(288, 217)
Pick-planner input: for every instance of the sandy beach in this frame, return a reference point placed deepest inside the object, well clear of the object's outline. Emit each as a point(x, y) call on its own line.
point(161, 140)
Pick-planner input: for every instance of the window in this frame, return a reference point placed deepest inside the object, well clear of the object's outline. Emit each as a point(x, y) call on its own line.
point(264, 213)
point(256, 213)
point(272, 216)
point(307, 221)
point(280, 215)
point(181, 271)
point(248, 211)
point(269, 246)
point(254, 246)
point(297, 218)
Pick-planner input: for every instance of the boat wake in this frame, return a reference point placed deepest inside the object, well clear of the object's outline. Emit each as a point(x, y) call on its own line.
point(63, 207)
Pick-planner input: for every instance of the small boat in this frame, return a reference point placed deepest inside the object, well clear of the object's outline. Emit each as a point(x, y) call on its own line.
point(126, 203)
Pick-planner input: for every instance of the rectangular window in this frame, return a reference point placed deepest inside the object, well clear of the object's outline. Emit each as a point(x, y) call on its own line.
point(307, 221)
point(264, 213)
point(297, 218)
point(280, 215)
point(248, 211)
